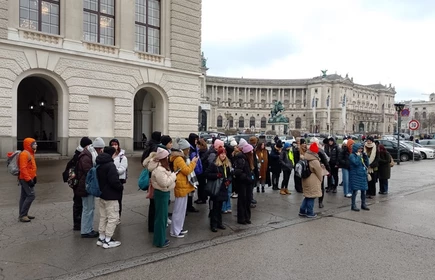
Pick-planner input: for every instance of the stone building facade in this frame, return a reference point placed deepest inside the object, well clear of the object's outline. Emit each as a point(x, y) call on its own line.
point(98, 68)
point(422, 111)
point(246, 103)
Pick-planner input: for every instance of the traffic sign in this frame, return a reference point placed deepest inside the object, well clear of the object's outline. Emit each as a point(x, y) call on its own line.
point(414, 125)
point(405, 113)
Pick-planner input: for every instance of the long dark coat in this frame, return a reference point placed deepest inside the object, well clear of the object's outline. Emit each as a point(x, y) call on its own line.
point(357, 170)
point(384, 171)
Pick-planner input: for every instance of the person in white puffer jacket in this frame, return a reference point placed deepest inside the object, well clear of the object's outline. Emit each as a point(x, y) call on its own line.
point(121, 163)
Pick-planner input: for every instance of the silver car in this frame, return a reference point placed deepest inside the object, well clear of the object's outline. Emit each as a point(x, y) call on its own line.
point(428, 143)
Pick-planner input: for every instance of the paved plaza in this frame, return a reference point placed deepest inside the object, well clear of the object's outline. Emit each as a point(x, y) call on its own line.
point(393, 240)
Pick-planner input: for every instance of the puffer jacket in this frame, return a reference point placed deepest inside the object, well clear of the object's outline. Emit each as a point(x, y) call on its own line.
point(121, 163)
point(243, 175)
point(312, 186)
point(357, 171)
point(108, 178)
point(284, 160)
point(27, 162)
point(332, 152)
point(212, 174)
point(324, 159)
point(275, 166)
point(182, 185)
point(161, 179)
point(343, 158)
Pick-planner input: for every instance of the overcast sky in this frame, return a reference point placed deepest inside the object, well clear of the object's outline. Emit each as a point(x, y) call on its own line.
point(374, 41)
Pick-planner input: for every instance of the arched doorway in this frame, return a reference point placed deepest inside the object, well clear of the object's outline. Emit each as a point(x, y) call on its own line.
point(149, 114)
point(37, 113)
point(361, 127)
point(203, 121)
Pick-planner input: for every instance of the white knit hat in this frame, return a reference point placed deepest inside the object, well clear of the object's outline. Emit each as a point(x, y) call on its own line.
point(233, 143)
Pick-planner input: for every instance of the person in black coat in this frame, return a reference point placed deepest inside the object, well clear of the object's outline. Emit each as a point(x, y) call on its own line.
point(323, 160)
point(332, 150)
point(244, 177)
point(344, 164)
point(221, 168)
point(274, 165)
point(111, 191)
point(297, 157)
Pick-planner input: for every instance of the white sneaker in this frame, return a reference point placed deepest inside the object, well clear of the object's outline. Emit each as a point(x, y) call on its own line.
point(178, 236)
point(348, 195)
point(111, 244)
point(100, 242)
point(184, 231)
point(169, 221)
point(234, 195)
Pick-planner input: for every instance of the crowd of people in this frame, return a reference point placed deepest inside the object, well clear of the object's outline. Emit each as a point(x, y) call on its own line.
point(216, 174)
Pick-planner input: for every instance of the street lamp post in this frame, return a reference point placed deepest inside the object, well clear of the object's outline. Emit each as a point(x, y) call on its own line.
point(399, 108)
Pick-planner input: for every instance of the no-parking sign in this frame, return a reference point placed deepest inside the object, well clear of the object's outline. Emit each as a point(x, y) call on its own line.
point(414, 125)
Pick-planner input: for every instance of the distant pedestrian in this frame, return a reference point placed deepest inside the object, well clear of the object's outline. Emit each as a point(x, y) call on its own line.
point(358, 175)
point(27, 178)
point(286, 160)
point(385, 162)
point(121, 163)
point(372, 153)
point(275, 165)
point(163, 181)
point(312, 185)
point(111, 192)
point(263, 162)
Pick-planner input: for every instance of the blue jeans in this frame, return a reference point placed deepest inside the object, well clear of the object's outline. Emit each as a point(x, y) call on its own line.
point(307, 206)
point(383, 185)
point(226, 205)
point(88, 214)
point(363, 198)
point(346, 189)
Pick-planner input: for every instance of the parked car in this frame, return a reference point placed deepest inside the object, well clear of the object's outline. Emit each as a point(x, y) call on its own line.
point(403, 136)
point(426, 153)
point(244, 136)
point(405, 152)
point(427, 143)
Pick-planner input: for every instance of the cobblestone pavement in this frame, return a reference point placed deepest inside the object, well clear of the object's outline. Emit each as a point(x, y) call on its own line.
point(48, 248)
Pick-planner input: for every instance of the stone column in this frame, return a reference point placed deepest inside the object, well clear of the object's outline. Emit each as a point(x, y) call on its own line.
point(125, 21)
point(244, 97)
point(73, 31)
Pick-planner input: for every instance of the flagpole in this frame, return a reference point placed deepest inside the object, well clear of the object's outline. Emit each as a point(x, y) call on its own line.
point(313, 106)
point(343, 114)
point(328, 106)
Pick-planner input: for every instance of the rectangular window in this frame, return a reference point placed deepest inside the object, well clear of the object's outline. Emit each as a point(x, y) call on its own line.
point(147, 22)
point(99, 21)
point(40, 15)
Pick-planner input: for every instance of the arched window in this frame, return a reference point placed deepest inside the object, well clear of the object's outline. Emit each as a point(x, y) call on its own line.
point(252, 122)
point(230, 122)
point(298, 124)
point(241, 122)
point(263, 122)
point(416, 115)
point(424, 115)
point(219, 121)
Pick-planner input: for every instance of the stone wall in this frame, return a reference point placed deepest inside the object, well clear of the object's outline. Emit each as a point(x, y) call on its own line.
point(186, 34)
point(3, 19)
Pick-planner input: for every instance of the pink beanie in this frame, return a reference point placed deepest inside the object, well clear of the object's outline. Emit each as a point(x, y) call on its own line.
point(218, 143)
point(242, 143)
point(247, 148)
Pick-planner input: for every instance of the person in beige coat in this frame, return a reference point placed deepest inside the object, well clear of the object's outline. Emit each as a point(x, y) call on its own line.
point(311, 186)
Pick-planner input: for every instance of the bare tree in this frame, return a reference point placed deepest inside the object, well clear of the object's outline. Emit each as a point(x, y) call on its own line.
point(428, 122)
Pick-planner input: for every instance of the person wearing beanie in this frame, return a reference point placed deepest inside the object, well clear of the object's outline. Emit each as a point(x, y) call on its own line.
point(167, 142)
point(358, 175)
point(121, 163)
point(263, 161)
point(311, 186)
point(211, 154)
point(242, 143)
point(343, 163)
point(220, 169)
point(253, 140)
point(332, 150)
point(70, 177)
point(193, 152)
point(202, 181)
point(27, 178)
point(111, 192)
point(244, 178)
point(233, 143)
point(151, 146)
point(163, 181)
point(275, 165)
point(287, 162)
point(324, 161)
point(86, 160)
point(184, 185)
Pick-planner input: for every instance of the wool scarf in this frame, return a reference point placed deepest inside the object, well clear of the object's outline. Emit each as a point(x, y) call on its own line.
point(372, 154)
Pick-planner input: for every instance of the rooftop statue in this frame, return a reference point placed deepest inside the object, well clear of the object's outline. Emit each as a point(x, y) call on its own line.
point(203, 61)
point(324, 73)
point(276, 115)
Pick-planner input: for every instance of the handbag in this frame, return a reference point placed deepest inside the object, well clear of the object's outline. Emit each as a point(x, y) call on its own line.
point(369, 177)
point(213, 186)
point(392, 163)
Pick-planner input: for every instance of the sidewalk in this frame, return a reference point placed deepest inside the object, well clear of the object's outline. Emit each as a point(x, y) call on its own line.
point(48, 248)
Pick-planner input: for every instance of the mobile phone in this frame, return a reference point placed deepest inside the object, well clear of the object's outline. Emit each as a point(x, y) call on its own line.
point(178, 170)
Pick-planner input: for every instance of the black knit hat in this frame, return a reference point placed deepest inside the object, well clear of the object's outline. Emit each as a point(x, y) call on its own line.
point(166, 139)
point(109, 150)
point(85, 141)
point(114, 140)
point(302, 141)
point(278, 144)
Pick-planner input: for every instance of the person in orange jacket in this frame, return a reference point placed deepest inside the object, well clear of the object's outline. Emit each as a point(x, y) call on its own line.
point(27, 178)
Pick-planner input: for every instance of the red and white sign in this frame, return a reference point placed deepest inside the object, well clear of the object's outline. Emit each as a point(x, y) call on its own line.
point(414, 125)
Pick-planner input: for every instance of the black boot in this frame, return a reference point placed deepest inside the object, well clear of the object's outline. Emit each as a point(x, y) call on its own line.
point(258, 189)
point(262, 189)
point(364, 207)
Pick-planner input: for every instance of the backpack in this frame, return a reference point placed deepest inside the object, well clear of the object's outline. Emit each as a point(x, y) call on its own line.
point(69, 175)
point(92, 185)
point(302, 169)
point(144, 179)
point(12, 162)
